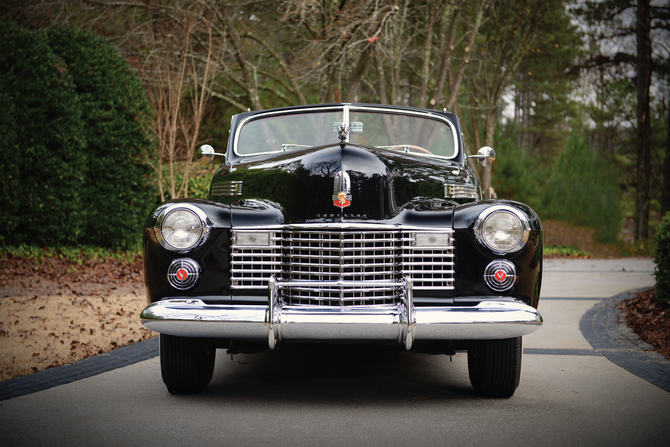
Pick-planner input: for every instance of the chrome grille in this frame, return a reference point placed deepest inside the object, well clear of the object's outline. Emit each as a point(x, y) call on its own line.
point(354, 265)
point(430, 267)
point(252, 266)
point(345, 256)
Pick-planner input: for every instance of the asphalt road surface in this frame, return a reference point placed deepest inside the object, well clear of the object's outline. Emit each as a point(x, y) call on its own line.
point(572, 392)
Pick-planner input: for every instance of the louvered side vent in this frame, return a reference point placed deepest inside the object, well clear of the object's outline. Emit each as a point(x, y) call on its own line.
point(430, 267)
point(227, 189)
point(460, 191)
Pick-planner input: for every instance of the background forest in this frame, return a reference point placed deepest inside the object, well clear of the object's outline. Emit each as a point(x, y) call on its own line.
point(574, 97)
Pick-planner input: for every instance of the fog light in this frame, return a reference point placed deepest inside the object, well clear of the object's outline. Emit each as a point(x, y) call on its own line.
point(183, 274)
point(500, 275)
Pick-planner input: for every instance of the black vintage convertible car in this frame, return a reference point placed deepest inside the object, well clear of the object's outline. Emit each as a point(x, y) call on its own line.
point(343, 223)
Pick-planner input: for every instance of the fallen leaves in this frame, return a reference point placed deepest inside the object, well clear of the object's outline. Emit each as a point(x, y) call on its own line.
point(50, 316)
point(649, 320)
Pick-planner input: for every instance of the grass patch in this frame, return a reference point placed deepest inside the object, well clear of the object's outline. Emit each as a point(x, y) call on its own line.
point(73, 254)
point(566, 252)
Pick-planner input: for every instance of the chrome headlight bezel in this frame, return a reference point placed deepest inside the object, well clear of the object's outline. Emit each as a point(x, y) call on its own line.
point(518, 244)
point(204, 226)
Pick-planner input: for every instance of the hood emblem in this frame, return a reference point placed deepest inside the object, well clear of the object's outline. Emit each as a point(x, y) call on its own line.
point(342, 190)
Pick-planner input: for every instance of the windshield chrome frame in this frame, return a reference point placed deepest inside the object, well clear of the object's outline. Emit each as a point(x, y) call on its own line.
point(345, 108)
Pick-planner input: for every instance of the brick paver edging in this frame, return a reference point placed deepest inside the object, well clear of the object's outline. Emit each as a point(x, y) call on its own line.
point(82, 369)
point(605, 328)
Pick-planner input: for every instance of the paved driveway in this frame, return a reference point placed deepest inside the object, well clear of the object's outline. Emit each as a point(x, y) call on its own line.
point(570, 394)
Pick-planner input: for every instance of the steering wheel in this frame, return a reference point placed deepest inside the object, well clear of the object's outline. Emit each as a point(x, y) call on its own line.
point(401, 147)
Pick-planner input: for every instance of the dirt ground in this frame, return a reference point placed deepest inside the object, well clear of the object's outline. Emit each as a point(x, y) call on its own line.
point(54, 312)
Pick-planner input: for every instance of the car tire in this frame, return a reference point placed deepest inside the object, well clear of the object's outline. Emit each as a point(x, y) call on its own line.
point(494, 366)
point(187, 363)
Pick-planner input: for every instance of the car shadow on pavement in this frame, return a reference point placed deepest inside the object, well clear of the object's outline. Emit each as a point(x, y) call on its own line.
point(340, 374)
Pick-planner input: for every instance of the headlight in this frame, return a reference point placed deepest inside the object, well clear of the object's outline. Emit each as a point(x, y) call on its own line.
point(181, 227)
point(503, 229)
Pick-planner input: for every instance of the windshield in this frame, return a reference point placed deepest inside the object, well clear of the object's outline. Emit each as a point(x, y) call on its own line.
point(413, 133)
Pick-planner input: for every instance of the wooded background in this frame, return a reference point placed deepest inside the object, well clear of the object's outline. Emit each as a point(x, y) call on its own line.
point(574, 96)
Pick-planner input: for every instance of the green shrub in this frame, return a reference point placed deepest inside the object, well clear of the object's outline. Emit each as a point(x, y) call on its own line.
point(71, 170)
point(517, 175)
point(583, 190)
point(119, 189)
point(662, 261)
point(42, 151)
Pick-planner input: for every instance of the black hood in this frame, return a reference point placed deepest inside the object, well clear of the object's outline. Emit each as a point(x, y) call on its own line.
point(303, 185)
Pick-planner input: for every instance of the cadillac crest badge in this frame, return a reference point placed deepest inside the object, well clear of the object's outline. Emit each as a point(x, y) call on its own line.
point(342, 190)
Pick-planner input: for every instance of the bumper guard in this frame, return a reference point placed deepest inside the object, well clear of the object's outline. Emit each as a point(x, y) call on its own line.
point(402, 323)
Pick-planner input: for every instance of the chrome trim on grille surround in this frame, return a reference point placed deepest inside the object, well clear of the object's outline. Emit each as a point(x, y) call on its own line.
point(252, 266)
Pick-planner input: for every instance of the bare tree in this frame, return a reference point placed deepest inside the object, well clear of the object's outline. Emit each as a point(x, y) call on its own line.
point(508, 38)
point(179, 64)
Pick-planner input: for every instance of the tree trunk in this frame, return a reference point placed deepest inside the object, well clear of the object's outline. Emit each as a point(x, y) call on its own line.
point(665, 194)
point(426, 56)
point(489, 134)
point(643, 120)
point(381, 76)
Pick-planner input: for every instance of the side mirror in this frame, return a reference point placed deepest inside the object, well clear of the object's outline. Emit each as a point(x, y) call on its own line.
point(485, 156)
point(207, 152)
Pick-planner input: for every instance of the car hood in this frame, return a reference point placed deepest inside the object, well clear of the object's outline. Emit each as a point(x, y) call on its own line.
point(302, 186)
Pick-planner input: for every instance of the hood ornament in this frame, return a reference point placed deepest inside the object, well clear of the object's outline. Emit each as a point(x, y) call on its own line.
point(343, 130)
point(342, 190)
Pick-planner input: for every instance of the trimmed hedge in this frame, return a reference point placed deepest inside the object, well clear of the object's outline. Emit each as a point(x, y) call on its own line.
point(662, 261)
point(119, 191)
point(70, 156)
point(42, 171)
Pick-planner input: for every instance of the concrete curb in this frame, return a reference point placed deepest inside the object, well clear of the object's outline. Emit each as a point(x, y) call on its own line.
point(82, 369)
point(605, 328)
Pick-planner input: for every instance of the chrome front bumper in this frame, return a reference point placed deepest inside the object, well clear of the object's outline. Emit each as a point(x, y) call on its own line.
point(402, 323)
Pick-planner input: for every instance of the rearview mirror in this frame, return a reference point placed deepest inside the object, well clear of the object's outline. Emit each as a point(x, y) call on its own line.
point(207, 152)
point(485, 156)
